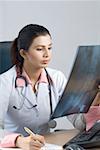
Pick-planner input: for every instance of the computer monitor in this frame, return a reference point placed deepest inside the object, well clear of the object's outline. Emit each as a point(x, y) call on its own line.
point(83, 82)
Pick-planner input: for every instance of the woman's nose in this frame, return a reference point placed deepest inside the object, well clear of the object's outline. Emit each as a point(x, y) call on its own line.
point(46, 53)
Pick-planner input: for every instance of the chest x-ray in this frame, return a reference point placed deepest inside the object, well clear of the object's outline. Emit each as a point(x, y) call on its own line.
point(83, 82)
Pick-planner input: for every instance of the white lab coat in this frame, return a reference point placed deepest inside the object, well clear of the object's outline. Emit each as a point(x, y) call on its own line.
point(36, 118)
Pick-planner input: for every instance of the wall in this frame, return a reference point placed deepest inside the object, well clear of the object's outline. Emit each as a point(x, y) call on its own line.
point(71, 23)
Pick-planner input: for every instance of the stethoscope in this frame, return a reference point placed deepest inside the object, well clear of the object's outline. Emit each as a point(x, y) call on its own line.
point(19, 76)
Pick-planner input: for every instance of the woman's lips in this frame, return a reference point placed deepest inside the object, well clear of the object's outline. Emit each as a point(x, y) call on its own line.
point(45, 61)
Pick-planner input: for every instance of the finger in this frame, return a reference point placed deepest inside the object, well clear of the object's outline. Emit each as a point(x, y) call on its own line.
point(96, 100)
point(32, 144)
point(35, 148)
point(39, 139)
point(99, 87)
point(36, 143)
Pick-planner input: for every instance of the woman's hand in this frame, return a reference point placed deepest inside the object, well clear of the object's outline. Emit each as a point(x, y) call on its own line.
point(96, 101)
point(31, 142)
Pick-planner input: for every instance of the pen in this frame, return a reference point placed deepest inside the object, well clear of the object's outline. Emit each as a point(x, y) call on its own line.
point(31, 133)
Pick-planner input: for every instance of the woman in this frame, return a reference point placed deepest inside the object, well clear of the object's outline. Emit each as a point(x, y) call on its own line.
point(29, 90)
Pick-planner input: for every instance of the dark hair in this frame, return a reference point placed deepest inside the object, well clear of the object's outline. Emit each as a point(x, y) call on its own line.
point(24, 41)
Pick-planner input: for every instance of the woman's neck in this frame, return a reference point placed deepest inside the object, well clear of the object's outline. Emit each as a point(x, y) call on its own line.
point(33, 74)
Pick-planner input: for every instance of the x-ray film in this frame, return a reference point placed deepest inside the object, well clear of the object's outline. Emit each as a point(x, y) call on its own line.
point(83, 82)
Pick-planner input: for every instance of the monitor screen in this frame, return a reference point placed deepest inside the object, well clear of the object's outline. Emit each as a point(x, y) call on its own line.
point(82, 85)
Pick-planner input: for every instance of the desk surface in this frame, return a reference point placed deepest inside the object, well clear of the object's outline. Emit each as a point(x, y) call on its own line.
point(61, 137)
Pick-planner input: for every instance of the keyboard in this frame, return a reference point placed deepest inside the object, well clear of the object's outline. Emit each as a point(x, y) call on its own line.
point(87, 139)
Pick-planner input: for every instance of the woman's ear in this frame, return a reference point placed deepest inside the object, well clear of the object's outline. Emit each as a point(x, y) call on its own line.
point(22, 53)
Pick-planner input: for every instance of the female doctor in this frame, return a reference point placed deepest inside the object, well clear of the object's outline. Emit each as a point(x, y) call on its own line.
point(30, 91)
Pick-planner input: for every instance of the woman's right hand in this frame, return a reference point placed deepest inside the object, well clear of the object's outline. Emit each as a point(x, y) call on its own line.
point(31, 142)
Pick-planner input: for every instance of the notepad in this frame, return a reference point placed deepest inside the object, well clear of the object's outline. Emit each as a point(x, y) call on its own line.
point(46, 147)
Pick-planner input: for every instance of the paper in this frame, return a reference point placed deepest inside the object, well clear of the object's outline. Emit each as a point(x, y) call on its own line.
point(46, 147)
point(51, 147)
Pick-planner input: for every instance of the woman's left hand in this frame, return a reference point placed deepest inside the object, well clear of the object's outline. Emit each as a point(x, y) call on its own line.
point(96, 101)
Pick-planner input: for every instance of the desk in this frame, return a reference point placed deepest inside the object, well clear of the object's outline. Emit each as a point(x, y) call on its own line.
point(61, 137)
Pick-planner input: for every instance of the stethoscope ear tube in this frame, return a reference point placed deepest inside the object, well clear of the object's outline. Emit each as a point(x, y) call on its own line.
point(20, 77)
point(50, 94)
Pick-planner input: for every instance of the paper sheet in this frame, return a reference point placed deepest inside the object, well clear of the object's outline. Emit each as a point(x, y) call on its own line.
point(51, 147)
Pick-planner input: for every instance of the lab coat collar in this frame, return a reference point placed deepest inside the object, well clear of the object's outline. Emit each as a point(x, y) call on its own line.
point(21, 82)
point(27, 91)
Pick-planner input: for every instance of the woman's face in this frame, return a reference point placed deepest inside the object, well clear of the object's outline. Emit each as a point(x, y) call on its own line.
point(39, 53)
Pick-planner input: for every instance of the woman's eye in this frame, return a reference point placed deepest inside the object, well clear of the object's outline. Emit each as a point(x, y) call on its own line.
point(49, 48)
point(39, 49)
